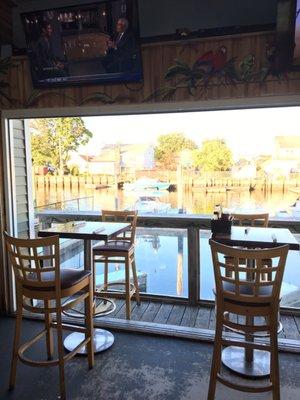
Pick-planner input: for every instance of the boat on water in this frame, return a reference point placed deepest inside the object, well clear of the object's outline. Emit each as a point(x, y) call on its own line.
point(150, 203)
point(146, 184)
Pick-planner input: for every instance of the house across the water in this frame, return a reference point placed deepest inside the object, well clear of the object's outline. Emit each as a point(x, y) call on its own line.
point(115, 158)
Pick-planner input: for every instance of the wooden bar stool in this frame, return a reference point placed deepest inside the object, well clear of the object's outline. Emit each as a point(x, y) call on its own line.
point(247, 290)
point(258, 219)
point(36, 266)
point(119, 250)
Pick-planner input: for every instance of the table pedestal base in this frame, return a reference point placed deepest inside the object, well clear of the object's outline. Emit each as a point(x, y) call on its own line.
point(103, 340)
point(234, 359)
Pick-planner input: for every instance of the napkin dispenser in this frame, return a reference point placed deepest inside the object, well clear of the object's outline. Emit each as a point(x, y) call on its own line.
point(221, 226)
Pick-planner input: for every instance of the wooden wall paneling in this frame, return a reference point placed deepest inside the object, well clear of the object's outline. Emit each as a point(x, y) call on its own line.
point(157, 58)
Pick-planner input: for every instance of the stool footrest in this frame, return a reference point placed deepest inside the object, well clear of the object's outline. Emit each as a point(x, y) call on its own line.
point(49, 363)
point(244, 388)
point(106, 293)
point(245, 343)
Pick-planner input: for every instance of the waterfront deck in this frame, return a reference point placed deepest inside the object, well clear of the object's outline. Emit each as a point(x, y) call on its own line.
point(156, 314)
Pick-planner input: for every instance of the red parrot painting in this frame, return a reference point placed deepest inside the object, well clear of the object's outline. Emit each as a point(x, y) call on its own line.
point(216, 64)
point(216, 61)
point(214, 67)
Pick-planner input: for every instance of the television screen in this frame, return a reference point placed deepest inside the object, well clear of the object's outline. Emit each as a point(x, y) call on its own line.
point(90, 43)
point(297, 35)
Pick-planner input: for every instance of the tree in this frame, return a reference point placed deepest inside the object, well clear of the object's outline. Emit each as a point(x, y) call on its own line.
point(168, 148)
point(214, 155)
point(52, 140)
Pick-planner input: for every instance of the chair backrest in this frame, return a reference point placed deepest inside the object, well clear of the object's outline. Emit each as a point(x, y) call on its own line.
point(253, 280)
point(31, 259)
point(122, 216)
point(251, 219)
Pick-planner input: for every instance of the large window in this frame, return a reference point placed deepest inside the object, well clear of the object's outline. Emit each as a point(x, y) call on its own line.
point(170, 163)
point(162, 165)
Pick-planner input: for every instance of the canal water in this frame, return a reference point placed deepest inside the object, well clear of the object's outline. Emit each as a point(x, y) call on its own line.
point(162, 254)
point(193, 202)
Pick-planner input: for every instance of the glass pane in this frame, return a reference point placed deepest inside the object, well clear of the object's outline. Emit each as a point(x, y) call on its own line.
point(290, 291)
point(161, 261)
point(206, 267)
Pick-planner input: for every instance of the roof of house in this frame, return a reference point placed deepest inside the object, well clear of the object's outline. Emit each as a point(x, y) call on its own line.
point(127, 147)
point(106, 157)
point(109, 153)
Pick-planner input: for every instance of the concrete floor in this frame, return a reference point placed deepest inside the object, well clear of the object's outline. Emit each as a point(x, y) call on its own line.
point(137, 367)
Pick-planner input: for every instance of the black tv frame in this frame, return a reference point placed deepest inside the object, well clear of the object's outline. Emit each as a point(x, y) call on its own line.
point(105, 79)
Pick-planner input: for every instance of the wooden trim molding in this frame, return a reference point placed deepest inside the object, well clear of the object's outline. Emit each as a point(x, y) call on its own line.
point(3, 277)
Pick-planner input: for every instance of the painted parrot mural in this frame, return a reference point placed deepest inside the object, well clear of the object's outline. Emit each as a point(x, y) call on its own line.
point(216, 67)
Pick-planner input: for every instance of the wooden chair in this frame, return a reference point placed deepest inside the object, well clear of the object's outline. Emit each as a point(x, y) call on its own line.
point(259, 219)
point(247, 292)
point(119, 250)
point(36, 266)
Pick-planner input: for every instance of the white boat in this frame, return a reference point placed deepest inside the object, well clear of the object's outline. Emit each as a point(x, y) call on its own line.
point(149, 202)
point(146, 184)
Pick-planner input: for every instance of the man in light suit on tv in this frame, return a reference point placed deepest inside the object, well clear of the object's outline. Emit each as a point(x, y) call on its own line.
point(122, 50)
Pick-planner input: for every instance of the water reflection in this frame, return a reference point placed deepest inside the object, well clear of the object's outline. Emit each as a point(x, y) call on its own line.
point(161, 259)
point(192, 202)
point(290, 290)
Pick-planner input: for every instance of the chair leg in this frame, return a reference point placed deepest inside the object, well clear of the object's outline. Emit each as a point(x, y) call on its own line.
point(274, 362)
point(94, 275)
point(105, 273)
point(89, 325)
point(17, 336)
point(216, 358)
point(127, 288)
point(49, 331)
point(105, 276)
point(60, 349)
point(136, 282)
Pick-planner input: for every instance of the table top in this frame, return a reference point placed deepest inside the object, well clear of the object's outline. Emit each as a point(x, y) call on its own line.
point(86, 230)
point(258, 237)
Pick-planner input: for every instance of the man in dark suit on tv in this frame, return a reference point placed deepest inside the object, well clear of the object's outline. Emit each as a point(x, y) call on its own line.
point(49, 65)
point(122, 54)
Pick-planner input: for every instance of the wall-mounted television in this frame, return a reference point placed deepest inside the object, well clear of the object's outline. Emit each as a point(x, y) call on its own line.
point(91, 43)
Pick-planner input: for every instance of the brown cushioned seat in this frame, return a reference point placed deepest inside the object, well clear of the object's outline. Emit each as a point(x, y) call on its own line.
point(245, 290)
point(114, 245)
point(68, 278)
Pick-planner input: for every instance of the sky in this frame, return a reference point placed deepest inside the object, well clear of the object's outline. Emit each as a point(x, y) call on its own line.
point(247, 132)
